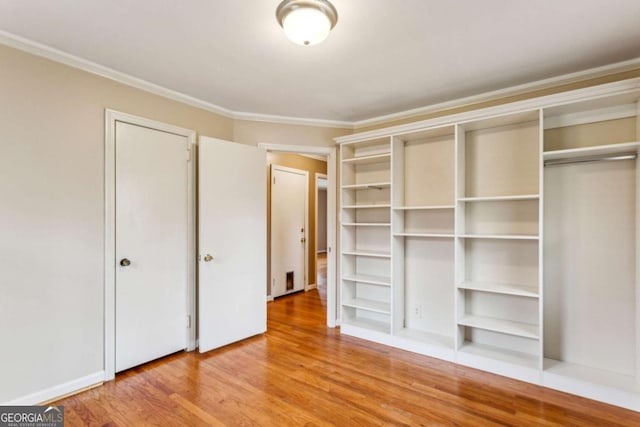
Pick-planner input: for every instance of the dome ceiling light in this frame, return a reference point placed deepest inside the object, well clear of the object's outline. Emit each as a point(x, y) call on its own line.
point(306, 22)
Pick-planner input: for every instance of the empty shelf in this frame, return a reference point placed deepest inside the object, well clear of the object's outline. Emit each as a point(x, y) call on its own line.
point(366, 224)
point(509, 327)
point(364, 278)
point(501, 288)
point(500, 198)
point(592, 375)
point(369, 305)
point(366, 206)
point(591, 151)
point(373, 158)
point(368, 253)
point(375, 185)
point(427, 337)
point(500, 236)
point(513, 357)
point(423, 208)
point(373, 325)
point(431, 235)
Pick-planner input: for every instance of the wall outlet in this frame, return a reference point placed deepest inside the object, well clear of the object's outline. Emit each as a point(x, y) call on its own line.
point(417, 311)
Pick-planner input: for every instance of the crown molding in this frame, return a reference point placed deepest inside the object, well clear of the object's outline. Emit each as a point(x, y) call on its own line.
point(562, 98)
point(592, 73)
point(57, 55)
point(255, 117)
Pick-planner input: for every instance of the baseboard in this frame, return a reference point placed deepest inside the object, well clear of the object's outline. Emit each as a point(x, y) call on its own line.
point(310, 287)
point(59, 391)
point(269, 298)
point(322, 252)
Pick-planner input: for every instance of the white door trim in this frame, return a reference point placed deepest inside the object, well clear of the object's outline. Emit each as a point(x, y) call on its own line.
point(306, 220)
point(111, 117)
point(330, 152)
point(315, 230)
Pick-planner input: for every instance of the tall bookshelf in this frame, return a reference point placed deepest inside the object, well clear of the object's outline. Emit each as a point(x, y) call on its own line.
point(504, 238)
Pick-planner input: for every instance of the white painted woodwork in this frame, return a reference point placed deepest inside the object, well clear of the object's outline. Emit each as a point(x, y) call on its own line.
point(289, 188)
point(152, 232)
point(232, 217)
point(496, 261)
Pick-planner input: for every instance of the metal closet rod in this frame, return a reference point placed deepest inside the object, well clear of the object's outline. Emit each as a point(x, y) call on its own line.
point(601, 158)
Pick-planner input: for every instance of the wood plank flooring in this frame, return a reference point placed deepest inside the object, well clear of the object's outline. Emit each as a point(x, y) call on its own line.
point(302, 374)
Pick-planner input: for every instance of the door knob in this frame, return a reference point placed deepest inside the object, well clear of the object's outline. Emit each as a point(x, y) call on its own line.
point(125, 262)
point(208, 258)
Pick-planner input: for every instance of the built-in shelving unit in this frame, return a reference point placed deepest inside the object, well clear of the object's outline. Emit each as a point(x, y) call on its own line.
point(505, 239)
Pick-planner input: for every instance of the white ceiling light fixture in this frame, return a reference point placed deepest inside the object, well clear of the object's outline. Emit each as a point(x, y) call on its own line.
point(307, 22)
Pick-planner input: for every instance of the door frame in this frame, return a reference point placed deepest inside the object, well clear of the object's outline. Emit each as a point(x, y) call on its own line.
point(305, 173)
point(332, 265)
point(111, 117)
point(315, 231)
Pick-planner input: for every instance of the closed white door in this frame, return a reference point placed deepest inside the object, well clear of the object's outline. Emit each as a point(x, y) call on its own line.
point(151, 244)
point(232, 266)
point(288, 229)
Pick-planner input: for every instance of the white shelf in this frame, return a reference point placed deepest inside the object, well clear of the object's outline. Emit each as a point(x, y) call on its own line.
point(374, 185)
point(372, 280)
point(373, 325)
point(427, 338)
point(503, 355)
point(591, 151)
point(509, 327)
point(425, 235)
point(592, 375)
point(500, 198)
point(501, 288)
point(366, 224)
point(369, 305)
point(367, 253)
point(364, 160)
point(380, 206)
point(500, 236)
point(423, 208)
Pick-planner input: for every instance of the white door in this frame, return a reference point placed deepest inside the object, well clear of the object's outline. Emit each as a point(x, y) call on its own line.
point(233, 242)
point(288, 229)
point(151, 243)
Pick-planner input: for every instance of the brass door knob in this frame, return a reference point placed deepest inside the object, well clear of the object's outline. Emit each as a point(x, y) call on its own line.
point(125, 262)
point(208, 258)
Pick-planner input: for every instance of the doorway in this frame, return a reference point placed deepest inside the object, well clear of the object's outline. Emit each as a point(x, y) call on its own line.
point(327, 154)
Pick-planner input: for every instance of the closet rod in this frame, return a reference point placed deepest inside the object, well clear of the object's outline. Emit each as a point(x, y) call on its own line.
point(603, 158)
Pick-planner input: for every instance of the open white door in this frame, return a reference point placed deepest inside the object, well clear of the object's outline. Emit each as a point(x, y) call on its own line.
point(233, 242)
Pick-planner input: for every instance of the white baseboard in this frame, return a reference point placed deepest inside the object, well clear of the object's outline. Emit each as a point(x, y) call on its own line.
point(324, 251)
point(269, 298)
point(310, 287)
point(58, 391)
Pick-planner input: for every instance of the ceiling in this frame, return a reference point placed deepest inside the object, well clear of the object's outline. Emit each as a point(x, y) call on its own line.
point(383, 57)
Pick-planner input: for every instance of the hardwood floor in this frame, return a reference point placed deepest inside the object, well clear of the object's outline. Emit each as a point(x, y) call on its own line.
point(301, 373)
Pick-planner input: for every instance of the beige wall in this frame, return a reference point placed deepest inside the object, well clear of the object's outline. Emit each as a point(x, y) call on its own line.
point(321, 244)
point(52, 210)
point(312, 166)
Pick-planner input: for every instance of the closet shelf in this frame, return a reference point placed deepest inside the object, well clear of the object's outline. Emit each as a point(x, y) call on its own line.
point(366, 224)
point(427, 338)
point(365, 278)
point(509, 327)
point(369, 305)
point(367, 253)
point(373, 206)
point(501, 288)
point(364, 160)
point(494, 353)
point(500, 236)
point(373, 185)
point(373, 325)
point(426, 235)
point(591, 375)
point(423, 208)
point(500, 198)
